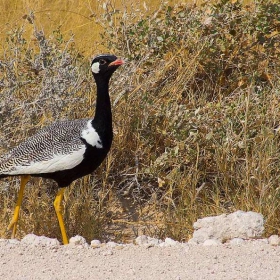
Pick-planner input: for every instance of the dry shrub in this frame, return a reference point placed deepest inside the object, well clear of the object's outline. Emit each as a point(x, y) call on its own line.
point(43, 80)
point(194, 115)
point(201, 111)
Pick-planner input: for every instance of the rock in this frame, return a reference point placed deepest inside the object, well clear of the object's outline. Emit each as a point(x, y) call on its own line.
point(112, 244)
point(237, 241)
point(34, 240)
point(147, 241)
point(274, 240)
point(212, 242)
point(168, 242)
point(239, 224)
point(95, 243)
point(141, 240)
point(154, 241)
point(78, 241)
point(115, 245)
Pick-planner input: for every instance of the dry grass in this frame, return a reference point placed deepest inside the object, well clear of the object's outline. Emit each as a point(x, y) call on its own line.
point(194, 115)
point(71, 17)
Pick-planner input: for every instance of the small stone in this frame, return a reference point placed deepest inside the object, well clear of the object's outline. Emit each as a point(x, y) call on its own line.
point(237, 241)
point(274, 240)
point(78, 240)
point(212, 242)
point(170, 242)
point(141, 240)
point(147, 241)
point(154, 241)
point(34, 240)
point(95, 243)
point(112, 244)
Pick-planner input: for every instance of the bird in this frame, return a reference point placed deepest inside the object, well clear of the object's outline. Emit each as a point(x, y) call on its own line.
point(66, 150)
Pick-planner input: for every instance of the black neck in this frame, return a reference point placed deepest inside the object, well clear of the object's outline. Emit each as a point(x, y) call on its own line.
point(102, 121)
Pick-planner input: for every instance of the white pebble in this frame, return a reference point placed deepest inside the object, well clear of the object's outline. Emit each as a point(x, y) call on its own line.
point(78, 240)
point(237, 241)
point(170, 242)
point(147, 241)
point(112, 244)
point(141, 240)
point(274, 240)
point(95, 243)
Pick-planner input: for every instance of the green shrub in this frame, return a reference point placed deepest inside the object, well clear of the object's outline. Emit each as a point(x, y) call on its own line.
point(194, 115)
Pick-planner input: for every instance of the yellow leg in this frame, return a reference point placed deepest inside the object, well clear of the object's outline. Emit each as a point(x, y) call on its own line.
point(13, 223)
point(57, 207)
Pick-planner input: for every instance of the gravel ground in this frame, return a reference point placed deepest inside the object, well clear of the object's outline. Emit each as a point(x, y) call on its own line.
point(251, 260)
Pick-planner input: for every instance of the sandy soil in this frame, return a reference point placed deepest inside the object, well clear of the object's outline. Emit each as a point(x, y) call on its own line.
point(253, 260)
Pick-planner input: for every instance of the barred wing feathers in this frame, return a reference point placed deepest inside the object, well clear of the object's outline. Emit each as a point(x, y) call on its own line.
point(56, 147)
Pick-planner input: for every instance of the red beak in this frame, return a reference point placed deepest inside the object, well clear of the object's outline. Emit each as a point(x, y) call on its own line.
point(117, 62)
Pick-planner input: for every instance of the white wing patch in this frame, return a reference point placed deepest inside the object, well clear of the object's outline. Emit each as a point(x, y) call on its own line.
point(91, 136)
point(95, 67)
point(57, 163)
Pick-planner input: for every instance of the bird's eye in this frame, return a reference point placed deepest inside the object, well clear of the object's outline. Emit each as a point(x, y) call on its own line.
point(102, 61)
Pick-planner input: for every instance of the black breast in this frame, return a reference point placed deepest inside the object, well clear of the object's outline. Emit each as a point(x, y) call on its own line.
point(93, 157)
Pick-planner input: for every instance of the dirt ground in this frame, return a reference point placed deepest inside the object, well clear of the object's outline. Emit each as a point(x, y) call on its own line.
point(253, 260)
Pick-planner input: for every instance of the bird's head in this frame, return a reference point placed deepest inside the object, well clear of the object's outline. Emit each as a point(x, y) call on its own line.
point(105, 65)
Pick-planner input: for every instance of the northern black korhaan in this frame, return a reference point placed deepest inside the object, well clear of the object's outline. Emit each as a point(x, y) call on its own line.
point(66, 150)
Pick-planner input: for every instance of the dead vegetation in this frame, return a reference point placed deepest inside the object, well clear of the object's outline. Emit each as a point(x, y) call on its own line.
point(195, 112)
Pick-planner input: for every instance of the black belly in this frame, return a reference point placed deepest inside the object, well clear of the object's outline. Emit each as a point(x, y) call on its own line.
point(93, 157)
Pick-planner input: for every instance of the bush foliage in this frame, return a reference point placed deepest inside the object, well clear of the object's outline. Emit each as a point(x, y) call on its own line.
point(195, 118)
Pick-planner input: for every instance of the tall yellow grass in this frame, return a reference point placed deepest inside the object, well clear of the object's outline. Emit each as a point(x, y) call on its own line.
point(72, 17)
point(194, 110)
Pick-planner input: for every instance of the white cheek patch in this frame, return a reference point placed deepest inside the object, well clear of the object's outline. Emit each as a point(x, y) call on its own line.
point(91, 136)
point(95, 67)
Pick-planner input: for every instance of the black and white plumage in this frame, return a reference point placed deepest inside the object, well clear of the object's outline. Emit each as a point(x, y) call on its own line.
point(56, 150)
point(68, 150)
